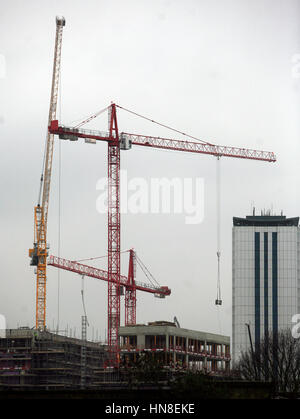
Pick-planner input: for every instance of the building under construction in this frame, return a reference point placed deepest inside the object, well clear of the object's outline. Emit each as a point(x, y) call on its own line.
point(40, 360)
point(32, 359)
point(176, 347)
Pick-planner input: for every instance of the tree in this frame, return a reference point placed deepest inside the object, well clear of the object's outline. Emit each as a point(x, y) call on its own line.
point(276, 358)
point(196, 385)
point(146, 370)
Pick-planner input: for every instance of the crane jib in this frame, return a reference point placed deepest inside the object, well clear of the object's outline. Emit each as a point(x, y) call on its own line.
point(72, 134)
point(101, 274)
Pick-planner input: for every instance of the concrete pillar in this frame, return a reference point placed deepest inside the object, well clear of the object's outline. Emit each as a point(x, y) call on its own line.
point(186, 351)
point(140, 341)
point(174, 349)
point(227, 363)
point(205, 359)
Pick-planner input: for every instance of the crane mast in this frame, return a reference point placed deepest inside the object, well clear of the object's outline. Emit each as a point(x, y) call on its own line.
point(113, 307)
point(130, 291)
point(39, 251)
point(60, 23)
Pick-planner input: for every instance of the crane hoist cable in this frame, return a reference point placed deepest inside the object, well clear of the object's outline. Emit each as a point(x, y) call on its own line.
point(59, 231)
point(59, 202)
point(218, 300)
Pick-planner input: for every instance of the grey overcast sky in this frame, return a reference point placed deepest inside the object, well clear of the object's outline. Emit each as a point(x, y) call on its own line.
point(221, 70)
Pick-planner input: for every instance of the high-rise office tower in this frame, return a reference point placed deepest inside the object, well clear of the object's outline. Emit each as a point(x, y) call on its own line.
point(265, 277)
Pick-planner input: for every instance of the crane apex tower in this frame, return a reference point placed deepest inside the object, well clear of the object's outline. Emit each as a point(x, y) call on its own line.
point(265, 277)
point(60, 21)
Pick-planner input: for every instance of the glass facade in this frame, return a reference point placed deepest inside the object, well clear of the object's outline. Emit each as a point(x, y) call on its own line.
point(265, 281)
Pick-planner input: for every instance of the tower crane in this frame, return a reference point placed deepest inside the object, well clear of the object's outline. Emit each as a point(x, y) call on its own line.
point(124, 141)
point(39, 252)
point(128, 284)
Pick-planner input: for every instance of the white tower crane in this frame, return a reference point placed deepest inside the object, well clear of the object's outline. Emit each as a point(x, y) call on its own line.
point(39, 251)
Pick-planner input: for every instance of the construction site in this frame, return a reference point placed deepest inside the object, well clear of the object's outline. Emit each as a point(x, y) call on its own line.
point(34, 359)
point(39, 359)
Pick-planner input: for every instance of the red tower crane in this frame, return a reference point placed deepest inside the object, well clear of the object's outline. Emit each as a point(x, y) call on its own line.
point(124, 141)
point(128, 284)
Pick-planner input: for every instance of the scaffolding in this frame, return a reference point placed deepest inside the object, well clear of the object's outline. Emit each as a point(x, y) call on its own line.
point(32, 359)
point(83, 351)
